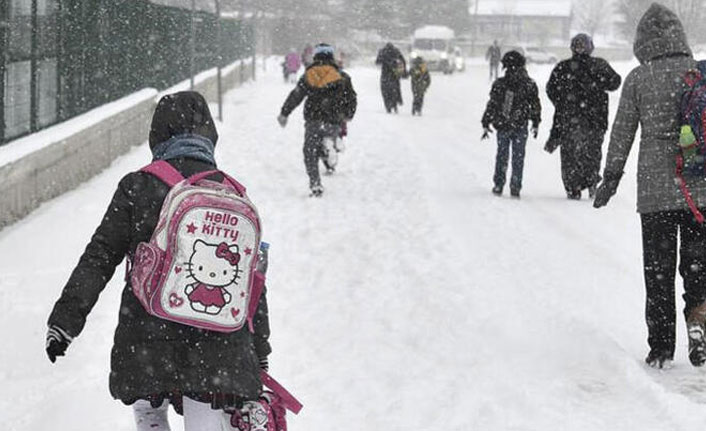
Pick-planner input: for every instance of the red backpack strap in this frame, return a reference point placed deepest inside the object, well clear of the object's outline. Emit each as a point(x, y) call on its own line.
point(685, 191)
point(291, 403)
point(164, 171)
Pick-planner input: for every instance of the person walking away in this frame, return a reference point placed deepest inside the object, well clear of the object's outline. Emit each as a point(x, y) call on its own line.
point(493, 56)
point(514, 101)
point(421, 79)
point(651, 98)
point(330, 101)
point(394, 68)
point(578, 88)
point(292, 63)
point(155, 362)
point(307, 55)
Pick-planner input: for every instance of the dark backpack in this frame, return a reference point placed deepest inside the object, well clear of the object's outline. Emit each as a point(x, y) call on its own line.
point(691, 159)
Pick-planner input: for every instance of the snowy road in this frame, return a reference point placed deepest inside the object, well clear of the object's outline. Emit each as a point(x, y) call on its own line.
point(408, 297)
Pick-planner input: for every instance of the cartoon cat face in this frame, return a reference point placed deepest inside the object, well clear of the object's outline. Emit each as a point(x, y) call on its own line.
point(214, 264)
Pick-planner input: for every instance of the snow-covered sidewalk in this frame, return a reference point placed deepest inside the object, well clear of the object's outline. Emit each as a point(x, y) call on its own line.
point(408, 297)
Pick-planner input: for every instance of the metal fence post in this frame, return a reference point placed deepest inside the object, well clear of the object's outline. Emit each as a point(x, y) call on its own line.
point(219, 60)
point(34, 71)
point(4, 24)
point(192, 44)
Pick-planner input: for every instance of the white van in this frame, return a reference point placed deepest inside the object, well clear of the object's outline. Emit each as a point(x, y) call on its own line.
point(434, 43)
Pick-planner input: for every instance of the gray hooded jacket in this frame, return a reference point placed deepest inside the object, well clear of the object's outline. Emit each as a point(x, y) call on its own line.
point(651, 99)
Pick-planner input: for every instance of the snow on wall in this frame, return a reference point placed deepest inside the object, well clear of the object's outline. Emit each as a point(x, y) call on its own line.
point(46, 164)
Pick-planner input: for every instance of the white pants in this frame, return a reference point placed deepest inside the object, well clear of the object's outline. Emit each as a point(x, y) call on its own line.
point(197, 417)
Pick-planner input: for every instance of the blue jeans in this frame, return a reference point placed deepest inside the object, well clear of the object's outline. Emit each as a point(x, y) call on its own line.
point(517, 139)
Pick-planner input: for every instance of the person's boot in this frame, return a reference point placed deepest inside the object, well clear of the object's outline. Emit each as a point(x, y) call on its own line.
point(497, 190)
point(317, 190)
point(659, 360)
point(515, 193)
point(573, 195)
point(696, 329)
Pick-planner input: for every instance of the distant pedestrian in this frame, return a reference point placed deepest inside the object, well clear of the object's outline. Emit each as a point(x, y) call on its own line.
point(651, 99)
point(578, 88)
point(308, 55)
point(421, 79)
point(493, 56)
point(514, 101)
point(394, 68)
point(291, 65)
point(331, 101)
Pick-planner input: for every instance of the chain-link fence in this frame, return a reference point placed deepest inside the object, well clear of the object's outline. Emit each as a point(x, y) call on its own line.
point(61, 58)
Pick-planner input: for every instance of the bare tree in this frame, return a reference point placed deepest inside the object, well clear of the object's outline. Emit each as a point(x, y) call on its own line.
point(590, 16)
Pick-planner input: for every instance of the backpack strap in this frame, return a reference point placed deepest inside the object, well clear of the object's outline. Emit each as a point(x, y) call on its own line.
point(291, 403)
point(258, 286)
point(165, 172)
point(227, 179)
point(685, 190)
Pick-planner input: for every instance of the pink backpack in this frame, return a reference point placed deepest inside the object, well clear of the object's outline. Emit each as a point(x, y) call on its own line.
point(198, 268)
point(268, 413)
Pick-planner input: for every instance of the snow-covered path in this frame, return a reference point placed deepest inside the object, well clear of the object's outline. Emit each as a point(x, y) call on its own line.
point(408, 297)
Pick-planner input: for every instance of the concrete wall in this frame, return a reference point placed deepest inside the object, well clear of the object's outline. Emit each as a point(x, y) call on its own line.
point(62, 165)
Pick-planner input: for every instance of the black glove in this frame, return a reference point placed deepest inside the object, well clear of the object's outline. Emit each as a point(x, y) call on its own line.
point(264, 363)
point(535, 131)
point(607, 189)
point(58, 341)
point(486, 133)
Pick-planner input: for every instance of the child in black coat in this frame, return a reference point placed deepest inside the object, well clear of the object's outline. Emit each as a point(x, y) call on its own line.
point(420, 83)
point(154, 361)
point(514, 101)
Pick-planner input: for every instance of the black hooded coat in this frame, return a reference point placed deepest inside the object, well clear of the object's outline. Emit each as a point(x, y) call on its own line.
point(393, 68)
point(152, 358)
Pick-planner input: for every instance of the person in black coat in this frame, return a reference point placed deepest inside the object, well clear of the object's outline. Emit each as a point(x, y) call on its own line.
point(514, 101)
point(330, 103)
point(493, 56)
point(578, 89)
point(394, 68)
point(155, 361)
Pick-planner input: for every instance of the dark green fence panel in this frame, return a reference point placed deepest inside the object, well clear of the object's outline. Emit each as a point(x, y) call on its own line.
point(79, 54)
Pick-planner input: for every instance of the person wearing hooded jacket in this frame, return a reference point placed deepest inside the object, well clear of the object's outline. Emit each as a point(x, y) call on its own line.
point(578, 88)
point(394, 68)
point(331, 103)
point(514, 101)
point(154, 361)
point(650, 98)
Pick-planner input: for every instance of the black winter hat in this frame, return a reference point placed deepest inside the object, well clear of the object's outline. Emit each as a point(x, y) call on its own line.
point(182, 113)
point(323, 51)
point(513, 60)
point(582, 44)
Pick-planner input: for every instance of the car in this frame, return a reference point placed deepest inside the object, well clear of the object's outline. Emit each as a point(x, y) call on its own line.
point(433, 44)
point(539, 55)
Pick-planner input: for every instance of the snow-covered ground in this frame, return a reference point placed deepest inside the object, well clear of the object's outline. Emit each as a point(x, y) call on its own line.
point(408, 297)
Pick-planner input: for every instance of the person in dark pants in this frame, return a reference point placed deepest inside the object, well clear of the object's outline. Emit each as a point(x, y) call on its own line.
point(155, 362)
point(421, 80)
point(514, 101)
point(394, 68)
point(650, 99)
point(578, 89)
point(493, 56)
point(330, 102)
